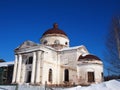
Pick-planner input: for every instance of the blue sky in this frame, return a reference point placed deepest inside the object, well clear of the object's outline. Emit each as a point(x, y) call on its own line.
point(86, 22)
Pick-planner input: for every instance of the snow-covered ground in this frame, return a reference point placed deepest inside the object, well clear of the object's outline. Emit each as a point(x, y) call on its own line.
point(109, 85)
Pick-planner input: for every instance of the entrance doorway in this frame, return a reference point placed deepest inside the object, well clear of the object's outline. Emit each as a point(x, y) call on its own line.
point(66, 75)
point(28, 77)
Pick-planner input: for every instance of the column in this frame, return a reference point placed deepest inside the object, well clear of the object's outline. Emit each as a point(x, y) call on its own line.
point(38, 68)
point(33, 68)
point(23, 73)
point(58, 71)
point(15, 69)
point(19, 69)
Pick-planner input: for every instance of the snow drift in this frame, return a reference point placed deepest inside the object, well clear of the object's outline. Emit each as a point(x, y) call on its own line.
point(109, 85)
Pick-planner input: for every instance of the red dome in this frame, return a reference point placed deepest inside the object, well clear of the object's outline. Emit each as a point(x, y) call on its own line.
point(54, 30)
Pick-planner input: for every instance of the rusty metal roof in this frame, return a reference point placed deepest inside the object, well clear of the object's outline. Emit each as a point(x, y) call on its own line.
point(89, 56)
point(54, 30)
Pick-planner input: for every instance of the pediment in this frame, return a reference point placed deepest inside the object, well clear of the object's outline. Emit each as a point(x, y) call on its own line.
point(26, 44)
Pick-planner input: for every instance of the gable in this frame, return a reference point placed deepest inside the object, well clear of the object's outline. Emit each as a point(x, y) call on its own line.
point(26, 44)
point(83, 50)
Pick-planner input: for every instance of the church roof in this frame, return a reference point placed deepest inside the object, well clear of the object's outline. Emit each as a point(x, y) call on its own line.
point(5, 64)
point(54, 30)
point(89, 57)
point(26, 44)
point(71, 48)
point(1, 60)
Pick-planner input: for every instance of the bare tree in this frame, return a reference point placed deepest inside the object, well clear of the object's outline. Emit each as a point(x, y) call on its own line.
point(113, 47)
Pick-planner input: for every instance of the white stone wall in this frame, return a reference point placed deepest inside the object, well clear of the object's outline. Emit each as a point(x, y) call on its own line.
point(82, 70)
point(58, 62)
point(49, 62)
point(72, 74)
point(68, 61)
point(51, 40)
point(68, 58)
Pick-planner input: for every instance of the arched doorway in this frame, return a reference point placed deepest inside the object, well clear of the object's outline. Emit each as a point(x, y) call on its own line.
point(50, 75)
point(66, 75)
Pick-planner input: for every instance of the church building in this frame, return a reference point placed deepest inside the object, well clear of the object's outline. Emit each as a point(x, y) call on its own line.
point(54, 62)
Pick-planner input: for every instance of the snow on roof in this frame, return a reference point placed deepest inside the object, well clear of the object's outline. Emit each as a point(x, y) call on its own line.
point(4, 64)
point(85, 54)
point(70, 48)
point(108, 85)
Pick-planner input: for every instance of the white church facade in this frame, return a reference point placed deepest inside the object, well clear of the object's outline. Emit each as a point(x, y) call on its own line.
point(55, 62)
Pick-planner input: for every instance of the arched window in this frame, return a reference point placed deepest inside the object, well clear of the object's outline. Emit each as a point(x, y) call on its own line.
point(50, 75)
point(91, 77)
point(56, 42)
point(66, 75)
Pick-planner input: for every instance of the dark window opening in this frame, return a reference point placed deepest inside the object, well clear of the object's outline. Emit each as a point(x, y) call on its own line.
point(102, 75)
point(45, 42)
point(50, 75)
point(26, 62)
point(28, 77)
point(91, 77)
point(66, 43)
point(30, 60)
point(66, 75)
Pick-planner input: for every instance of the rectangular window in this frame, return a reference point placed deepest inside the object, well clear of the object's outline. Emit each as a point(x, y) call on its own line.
point(30, 60)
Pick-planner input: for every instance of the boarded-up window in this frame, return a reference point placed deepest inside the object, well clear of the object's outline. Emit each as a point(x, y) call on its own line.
point(66, 75)
point(91, 77)
point(50, 75)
